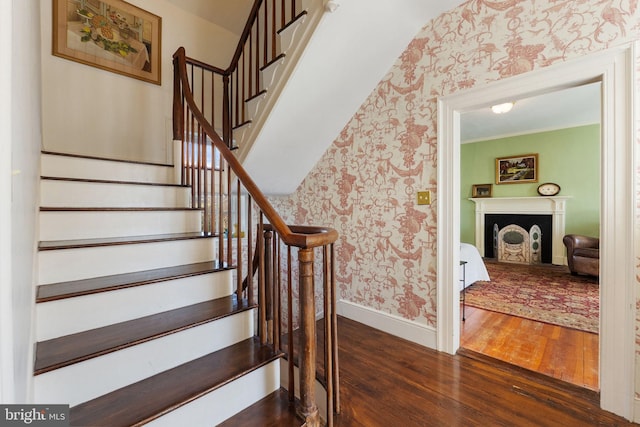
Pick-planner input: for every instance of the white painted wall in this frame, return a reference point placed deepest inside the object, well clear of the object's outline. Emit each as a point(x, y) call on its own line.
point(21, 136)
point(6, 310)
point(91, 111)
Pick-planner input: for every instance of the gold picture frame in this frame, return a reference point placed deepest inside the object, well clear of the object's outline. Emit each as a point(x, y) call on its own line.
point(481, 190)
point(112, 35)
point(517, 169)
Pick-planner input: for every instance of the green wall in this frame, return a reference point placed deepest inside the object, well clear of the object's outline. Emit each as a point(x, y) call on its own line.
point(568, 157)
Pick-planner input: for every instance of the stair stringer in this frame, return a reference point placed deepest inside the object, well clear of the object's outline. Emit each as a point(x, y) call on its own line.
point(295, 44)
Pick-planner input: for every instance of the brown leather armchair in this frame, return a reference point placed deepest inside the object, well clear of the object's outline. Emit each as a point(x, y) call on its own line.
point(583, 254)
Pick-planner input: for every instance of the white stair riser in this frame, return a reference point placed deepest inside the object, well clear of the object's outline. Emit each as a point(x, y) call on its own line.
point(269, 74)
point(71, 315)
point(82, 263)
point(224, 402)
point(54, 193)
point(67, 225)
point(87, 380)
point(78, 167)
point(287, 37)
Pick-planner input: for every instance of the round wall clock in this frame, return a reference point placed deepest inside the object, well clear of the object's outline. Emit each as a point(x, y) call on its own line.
point(548, 189)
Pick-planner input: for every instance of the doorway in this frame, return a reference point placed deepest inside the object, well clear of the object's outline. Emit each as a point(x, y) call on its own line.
point(614, 69)
point(562, 130)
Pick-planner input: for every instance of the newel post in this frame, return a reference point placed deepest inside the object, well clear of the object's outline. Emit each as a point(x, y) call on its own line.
point(308, 408)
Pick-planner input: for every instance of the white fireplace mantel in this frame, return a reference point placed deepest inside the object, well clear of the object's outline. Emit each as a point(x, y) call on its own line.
point(542, 205)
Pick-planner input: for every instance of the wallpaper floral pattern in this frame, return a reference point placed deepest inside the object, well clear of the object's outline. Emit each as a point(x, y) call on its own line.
point(365, 184)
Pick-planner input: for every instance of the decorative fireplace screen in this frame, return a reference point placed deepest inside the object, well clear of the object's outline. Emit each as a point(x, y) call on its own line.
point(517, 245)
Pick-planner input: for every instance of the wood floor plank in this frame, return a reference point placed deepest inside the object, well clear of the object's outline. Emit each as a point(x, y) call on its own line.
point(387, 381)
point(549, 349)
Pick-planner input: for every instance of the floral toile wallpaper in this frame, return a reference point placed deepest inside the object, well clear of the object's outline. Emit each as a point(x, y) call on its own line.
point(365, 184)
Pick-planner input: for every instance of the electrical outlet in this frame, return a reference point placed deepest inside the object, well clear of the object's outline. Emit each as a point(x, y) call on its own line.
point(424, 197)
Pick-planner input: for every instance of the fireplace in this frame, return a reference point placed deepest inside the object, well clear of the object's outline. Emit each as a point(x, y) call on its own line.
point(547, 212)
point(518, 238)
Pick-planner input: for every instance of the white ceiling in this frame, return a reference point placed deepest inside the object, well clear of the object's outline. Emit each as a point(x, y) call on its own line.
point(229, 14)
point(571, 107)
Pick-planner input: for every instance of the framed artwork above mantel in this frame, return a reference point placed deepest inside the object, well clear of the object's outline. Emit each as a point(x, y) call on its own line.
point(112, 35)
point(517, 169)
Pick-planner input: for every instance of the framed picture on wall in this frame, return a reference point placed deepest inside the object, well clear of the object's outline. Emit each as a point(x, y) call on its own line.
point(517, 169)
point(481, 190)
point(109, 34)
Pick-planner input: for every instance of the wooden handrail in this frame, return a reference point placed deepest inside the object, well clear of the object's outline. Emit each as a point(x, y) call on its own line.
point(306, 237)
point(244, 36)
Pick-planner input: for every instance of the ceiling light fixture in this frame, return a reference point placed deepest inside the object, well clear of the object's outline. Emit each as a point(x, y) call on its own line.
point(502, 108)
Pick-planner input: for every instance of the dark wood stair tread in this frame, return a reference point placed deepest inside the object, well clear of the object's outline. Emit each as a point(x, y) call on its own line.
point(273, 61)
point(293, 21)
point(106, 159)
point(257, 95)
point(274, 410)
point(64, 351)
point(110, 181)
point(155, 396)
point(50, 245)
point(116, 209)
point(74, 288)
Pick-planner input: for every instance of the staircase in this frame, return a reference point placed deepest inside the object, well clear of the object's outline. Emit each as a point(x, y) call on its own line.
point(150, 307)
point(136, 319)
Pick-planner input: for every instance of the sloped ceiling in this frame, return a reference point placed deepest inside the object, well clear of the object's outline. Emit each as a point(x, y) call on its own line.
point(228, 14)
point(350, 52)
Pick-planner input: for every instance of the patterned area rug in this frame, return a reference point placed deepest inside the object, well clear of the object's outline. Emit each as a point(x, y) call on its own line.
point(545, 293)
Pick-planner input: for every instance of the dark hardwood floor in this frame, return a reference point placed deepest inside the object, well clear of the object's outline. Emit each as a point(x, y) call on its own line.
point(387, 381)
point(567, 354)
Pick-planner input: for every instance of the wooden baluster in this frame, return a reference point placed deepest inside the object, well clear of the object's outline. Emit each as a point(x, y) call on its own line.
point(250, 66)
point(265, 36)
point(268, 273)
point(334, 332)
point(328, 332)
point(230, 220)
point(239, 272)
point(213, 98)
point(192, 162)
point(293, 10)
point(262, 303)
point(256, 68)
point(244, 89)
point(250, 255)
point(226, 121)
point(307, 359)
point(277, 295)
point(199, 177)
point(220, 213)
point(291, 364)
point(274, 31)
point(283, 8)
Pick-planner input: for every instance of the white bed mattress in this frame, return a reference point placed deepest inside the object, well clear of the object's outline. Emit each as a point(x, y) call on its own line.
point(474, 269)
